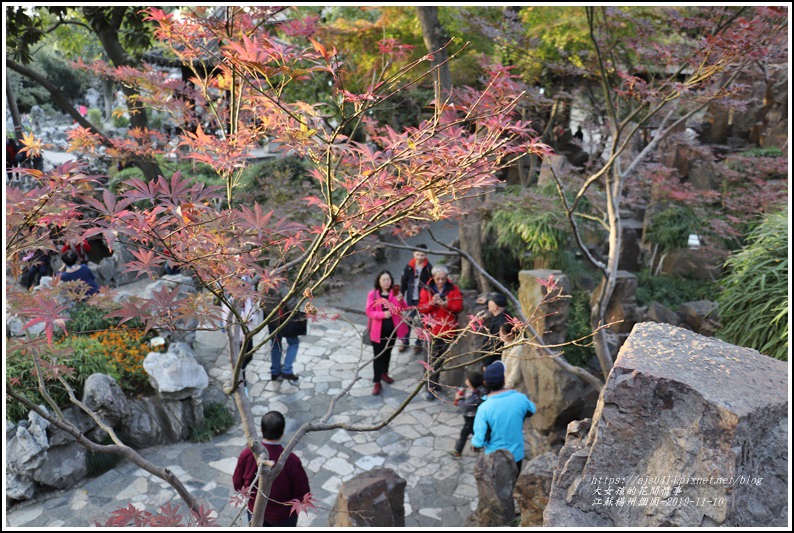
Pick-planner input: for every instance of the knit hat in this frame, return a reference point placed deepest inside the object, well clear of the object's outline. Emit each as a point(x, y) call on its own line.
point(494, 377)
point(498, 298)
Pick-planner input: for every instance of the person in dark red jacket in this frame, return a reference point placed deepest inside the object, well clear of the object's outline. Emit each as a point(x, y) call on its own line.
point(439, 302)
point(291, 483)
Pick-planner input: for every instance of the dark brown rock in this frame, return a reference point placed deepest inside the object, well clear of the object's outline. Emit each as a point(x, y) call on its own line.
point(370, 499)
point(656, 312)
point(533, 487)
point(699, 425)
point(495, 474)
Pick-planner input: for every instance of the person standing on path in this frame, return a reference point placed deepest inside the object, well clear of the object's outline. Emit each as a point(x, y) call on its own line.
point(467, 400)
point(496, 317)
point(499, 422)
point(292, 329)
point(384, 306)
point(291, 483)
point(251, 315)
point(415, 276)
point(439, 302)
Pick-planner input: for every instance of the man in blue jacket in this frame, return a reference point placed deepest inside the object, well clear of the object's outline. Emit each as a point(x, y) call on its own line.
point(499, 423)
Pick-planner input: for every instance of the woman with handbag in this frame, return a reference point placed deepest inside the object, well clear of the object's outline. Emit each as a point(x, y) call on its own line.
point(384, 309)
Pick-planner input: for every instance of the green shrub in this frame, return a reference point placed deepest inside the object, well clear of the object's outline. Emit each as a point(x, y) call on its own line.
point(754, 303)
point(118, 353)
point(119, 119)
point(579, 330)
point(768, 151)
point(670, 228)
point(672, 292)
point(87, 319)
point(217, 419)
point(95, 117)
point(86, 358)
point(529, 228)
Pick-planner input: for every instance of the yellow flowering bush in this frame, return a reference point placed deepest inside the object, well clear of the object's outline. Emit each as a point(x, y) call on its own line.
point(117, 352)
point(126, 349)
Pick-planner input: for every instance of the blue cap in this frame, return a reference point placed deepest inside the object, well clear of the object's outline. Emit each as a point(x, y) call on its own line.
point(494, 375)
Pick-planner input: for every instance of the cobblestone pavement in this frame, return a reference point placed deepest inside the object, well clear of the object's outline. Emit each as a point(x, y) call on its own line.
point(440, 489)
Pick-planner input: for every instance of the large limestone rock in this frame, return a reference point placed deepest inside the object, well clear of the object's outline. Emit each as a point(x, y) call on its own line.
point(26, 450)
point(176, 374)
point(763, 120)
point(154, 421)
point(533, 487)
point(699, 263)
point(689, 431)
point(495, 474)
point(103, 395)
point(370, 499)
point(559, 396)
point(553, 164)
point(631, 244)
point(551, 318)
point(63, 467)
point(656, 312)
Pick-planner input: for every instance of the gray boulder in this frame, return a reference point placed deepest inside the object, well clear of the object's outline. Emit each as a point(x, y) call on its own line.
point(142, 427)
point(370, 499)
point(102, 394)
point(78, 418)
point(699, 316)
point(689, 431)
point(496, 475)
point(153, 421)
point(656, 312)
point(176, 374)
point(27, 448)
point(63, 466)
point(533, 487)
point(19, 487)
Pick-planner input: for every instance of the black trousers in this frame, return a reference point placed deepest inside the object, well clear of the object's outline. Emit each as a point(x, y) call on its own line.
point(468, 429)
point(382, 352)
point(435, 358)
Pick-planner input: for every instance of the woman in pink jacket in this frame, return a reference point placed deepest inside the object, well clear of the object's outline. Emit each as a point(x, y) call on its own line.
point(384, 306)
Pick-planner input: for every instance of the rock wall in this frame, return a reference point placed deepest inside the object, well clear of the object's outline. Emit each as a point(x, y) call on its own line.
point(689, 431)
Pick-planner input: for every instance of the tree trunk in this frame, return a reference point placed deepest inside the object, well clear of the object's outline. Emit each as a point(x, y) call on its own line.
point(469, 233)
point(107, 29)
point(15, 118)
point(435, 38)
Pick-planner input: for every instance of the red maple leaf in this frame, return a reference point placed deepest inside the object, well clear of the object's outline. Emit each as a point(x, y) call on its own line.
point(47, 312)
point(296, 505)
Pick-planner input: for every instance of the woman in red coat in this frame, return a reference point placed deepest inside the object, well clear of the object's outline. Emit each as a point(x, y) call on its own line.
point(384, 309)
point(439, 302)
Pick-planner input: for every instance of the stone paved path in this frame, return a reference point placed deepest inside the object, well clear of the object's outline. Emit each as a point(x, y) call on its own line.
point(440, 489)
